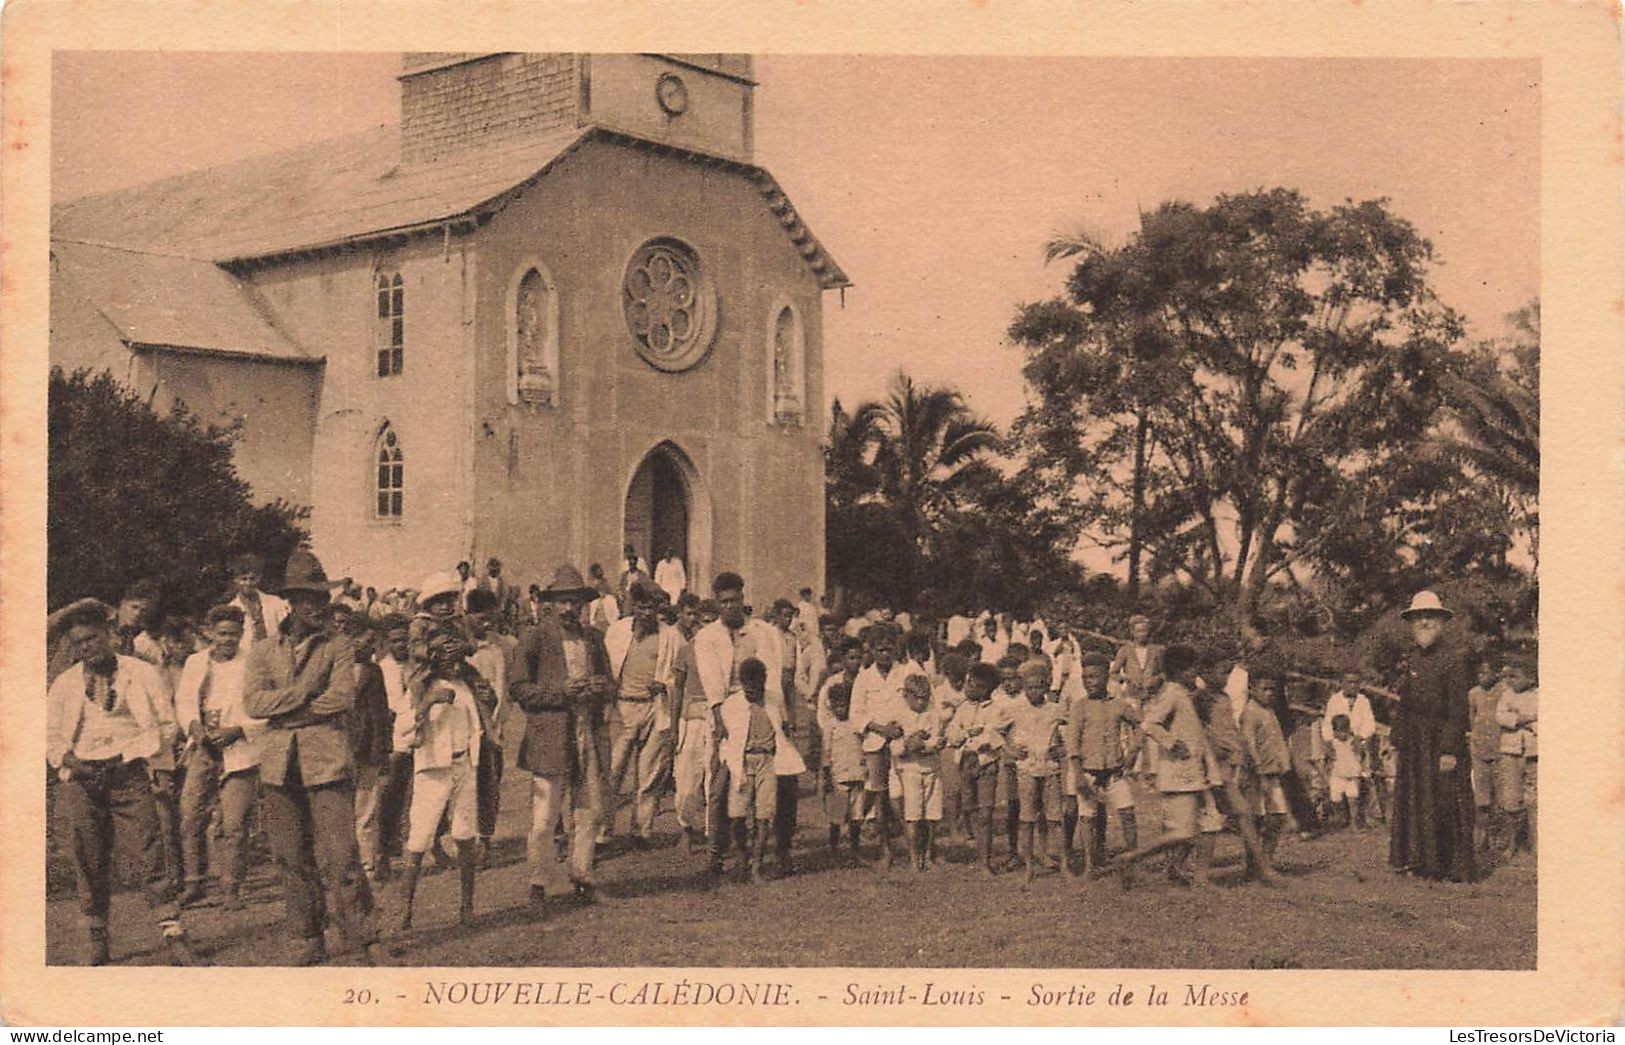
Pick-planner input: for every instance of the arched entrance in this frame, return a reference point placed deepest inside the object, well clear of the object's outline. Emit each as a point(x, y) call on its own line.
point(668, 509)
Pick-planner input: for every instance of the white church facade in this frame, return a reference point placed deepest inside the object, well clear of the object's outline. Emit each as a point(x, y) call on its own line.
point(555, 310)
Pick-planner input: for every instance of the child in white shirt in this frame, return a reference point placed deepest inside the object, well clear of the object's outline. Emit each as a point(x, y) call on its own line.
point(1034, 740)
point(843, 770)
point(877, 705)
point(977, 733)
point(445, 752)
point(1344, 771)
point(915, 756)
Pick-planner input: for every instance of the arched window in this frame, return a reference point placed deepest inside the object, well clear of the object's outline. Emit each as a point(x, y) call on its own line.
point(389, 337)
point(787, 376)
point(533, 338)
point(391, 485)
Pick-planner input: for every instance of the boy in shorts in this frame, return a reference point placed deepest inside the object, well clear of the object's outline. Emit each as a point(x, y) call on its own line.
point(1034, 741)
point(1095, 720)
point(1344, 771)
point(877, 704)
point(1186, 767)
point(915, 759)
point(843, 770)
point(753, 799)
point(449, 725)
point(977, 733)
point(1267, 760)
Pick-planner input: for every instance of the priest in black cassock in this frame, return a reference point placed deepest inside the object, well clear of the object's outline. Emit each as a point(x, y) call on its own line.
point(1432, 819)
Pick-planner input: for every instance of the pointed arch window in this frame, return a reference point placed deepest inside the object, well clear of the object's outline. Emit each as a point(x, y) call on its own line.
point(787, 374)
point(389, 338)
point(390, 488)
point(533, 337)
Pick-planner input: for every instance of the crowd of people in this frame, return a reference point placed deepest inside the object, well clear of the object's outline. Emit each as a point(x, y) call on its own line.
point(360, 731)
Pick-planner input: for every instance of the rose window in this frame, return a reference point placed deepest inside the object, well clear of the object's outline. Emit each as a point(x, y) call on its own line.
point(668, 305)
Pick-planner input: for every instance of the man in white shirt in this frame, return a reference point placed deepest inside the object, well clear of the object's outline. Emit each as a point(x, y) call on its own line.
point(806, 612)
point(105, 716)
point(392, 660)
point(466, 582)
point(220, 760)
point(719, 648)
point(263, 612)
point(490, 661)
point(877, 706)
point(993, 641)
point(643, 654)
point(1351, 702)
point(671, 576)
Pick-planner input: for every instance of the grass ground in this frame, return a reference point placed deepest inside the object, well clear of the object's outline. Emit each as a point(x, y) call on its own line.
point(1342, 909)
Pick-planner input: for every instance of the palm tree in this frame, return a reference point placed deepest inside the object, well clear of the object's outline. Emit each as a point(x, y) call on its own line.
point(1496, 415)
point(850, 476)
point(928, 448)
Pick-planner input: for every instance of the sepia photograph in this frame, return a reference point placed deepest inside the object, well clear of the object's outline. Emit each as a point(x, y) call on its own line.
point(1007, 520)
point(489, 525)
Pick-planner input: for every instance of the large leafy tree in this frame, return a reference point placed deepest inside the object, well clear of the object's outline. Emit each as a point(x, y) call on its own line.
point(136, 493)
point(1241, 388)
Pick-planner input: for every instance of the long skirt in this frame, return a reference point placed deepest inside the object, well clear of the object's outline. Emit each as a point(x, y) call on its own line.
point(1432, 817)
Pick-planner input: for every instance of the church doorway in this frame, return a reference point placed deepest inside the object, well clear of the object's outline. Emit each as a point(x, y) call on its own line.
point(667, 509)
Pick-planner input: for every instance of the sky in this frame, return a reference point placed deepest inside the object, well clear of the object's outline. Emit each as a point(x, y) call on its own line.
point(935, 181)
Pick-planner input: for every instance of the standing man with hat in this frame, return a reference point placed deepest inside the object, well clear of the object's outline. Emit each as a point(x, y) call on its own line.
point(1433, 794)
point(106, 715)
point(562, 681)
point(302, 680)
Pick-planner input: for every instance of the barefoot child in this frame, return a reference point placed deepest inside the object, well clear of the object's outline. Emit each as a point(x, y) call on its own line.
point(877, 704)
point(449, 725)
point(1184, 763)
point(1034, 741)
point(915, 756)
point(977, 732)
point(1344, 773)
point(1095, 720)
point(843, 769)
point(753, 736)
point(1267, 758)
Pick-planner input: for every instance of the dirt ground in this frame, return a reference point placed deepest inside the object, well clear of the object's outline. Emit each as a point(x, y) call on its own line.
point(1342, 909)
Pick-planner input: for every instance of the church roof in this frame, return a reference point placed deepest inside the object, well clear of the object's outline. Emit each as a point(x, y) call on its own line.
point(166, 301)
point(332, 194)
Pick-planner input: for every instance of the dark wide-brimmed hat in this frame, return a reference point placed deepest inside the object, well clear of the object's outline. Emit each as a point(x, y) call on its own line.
point(80, 611)
point(568, 586)
point(304, 573)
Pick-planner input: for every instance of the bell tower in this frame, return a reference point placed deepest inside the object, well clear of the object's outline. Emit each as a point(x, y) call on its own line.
point(693, 101)
point(456, 101)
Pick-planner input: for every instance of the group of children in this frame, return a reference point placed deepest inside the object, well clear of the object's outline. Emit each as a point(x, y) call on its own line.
point(1042, 748)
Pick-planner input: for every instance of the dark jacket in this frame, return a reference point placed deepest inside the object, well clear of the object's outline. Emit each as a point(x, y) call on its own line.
point(564, 735)
point(371, 723)
point(303, 690)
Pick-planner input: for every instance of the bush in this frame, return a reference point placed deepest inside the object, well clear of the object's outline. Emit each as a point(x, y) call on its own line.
point(134, 493)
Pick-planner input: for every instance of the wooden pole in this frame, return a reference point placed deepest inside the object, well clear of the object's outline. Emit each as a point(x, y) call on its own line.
point(1375, 691)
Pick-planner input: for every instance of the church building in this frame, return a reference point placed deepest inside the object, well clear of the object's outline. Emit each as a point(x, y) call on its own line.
point(555, 310)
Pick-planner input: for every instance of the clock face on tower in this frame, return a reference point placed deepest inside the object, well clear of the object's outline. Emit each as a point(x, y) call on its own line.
point(672, 94)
